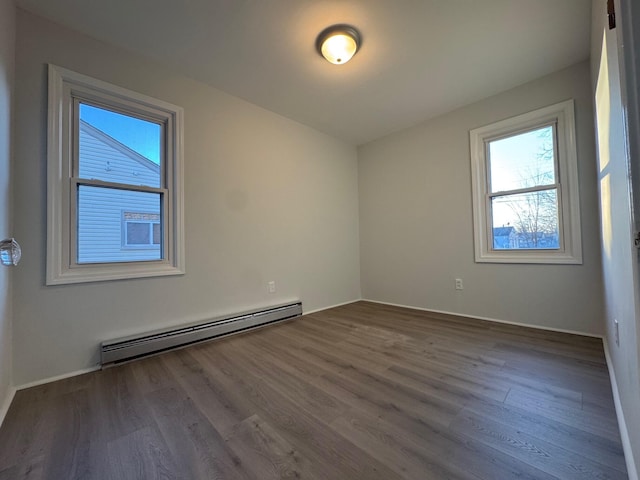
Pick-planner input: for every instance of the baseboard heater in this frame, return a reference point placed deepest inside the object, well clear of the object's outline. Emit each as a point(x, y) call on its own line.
point(128, 348)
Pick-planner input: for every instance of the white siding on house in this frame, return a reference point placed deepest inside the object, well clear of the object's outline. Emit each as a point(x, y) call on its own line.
point(103, 158)
point(101, 210)
point(101, 222)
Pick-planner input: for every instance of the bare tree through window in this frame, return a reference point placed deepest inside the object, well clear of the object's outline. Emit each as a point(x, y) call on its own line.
point(523, 175)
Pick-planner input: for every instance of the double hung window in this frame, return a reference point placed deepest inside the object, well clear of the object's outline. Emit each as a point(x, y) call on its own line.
point(114, 181)
point(525, 188)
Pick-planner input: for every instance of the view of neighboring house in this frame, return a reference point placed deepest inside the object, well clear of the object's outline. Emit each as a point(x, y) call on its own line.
point(508, 238)
point(116, 225)
point(504, 237)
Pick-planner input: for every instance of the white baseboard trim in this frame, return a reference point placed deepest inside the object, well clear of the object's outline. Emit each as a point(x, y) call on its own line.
point(332, 306)
point(622, 424)
point(6, 404)
point(58, 377)
point(496, 320)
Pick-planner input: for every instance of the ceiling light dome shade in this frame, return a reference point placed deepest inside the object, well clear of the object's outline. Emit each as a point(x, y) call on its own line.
point(338, 43)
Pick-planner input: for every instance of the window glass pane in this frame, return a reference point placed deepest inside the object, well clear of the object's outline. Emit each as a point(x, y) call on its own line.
point(101, 225)
point(522, 161)
point(157, 235)
point(526, 221)
point(138, 233)
point(118, 148)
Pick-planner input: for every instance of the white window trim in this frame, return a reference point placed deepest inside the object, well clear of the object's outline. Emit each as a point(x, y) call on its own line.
point(61, 269)
point(570, 251)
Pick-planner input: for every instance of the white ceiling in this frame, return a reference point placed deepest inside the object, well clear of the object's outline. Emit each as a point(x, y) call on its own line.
point(419, 58)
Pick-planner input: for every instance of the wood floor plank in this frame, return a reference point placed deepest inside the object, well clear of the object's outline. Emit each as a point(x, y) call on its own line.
point(585, 379)
point(407, 457)
point(29, 470)
point(222, 411)
point(343, 358)
point(303, 393)
point(395, 396)
point(196, 447)
point(266, 453)
point(568, 360)
point(141, 455)
point(360, 392)
point(456, 383)
point(596, 424)
point(601, 449)
point(73, 452)
point(27, 431)
point(315, 439)
point(550, 458)
point(505, 379)
point(151, 375)
point(117, 395)
point(444, 452)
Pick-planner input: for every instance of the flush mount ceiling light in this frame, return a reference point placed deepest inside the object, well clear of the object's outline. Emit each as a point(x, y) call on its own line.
point(338, 43)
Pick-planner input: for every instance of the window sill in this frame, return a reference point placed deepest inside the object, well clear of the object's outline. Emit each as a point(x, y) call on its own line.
point(542, 257)
point(91, 273)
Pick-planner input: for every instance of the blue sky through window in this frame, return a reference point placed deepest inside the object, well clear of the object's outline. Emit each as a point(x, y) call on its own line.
point(519, 161)
point(139, 135)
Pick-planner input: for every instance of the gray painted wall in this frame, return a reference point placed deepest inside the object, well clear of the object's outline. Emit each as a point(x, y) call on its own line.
point(7, 38)
point(266, 199)
point(416, 225)
point(618, 256)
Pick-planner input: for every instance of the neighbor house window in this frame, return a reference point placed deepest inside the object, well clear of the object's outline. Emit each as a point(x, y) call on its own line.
point(115, 182)
point(141, 230)
point(525, 188)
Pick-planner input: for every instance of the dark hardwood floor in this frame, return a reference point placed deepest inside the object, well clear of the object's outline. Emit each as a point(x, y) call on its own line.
point(362, 391)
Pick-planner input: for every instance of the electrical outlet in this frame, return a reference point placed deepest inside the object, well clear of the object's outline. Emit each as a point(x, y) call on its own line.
point(617, 331)
point(271, 286)
point(459, 285)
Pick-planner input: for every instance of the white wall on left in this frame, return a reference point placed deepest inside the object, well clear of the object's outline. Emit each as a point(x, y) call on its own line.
point(7, 42)
point(266, 199)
